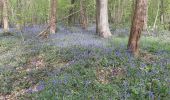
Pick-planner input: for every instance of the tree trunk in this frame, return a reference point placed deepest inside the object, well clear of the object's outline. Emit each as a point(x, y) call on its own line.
point(169, 26)
point(18, 17)
point(162, 12)
point(1, 14)
point(102, 24)
point(83, 15)
point(156, 17)
point(71, 18)
point(5, 16)
point(145, 27)
point(137, 26)
point(53, 11)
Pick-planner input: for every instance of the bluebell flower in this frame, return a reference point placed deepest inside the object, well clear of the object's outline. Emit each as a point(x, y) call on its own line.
point(87, 82)
point(143, 65)
point(117, 53)
point(151, 95)
point(65, 81)
point(40, 87)
point(54, 82)
point(132, 65)
point(29, 90)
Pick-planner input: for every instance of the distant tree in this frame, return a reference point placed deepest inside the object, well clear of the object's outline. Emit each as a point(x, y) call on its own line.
point(156, 17)
point(137, 26)
point(162, 11)
point(83, 14)
point(146, 18)
point(71, 17)
point(102, 24)
point(5, 16)
point(53, 18)
point(1, 13)
point(18, 14)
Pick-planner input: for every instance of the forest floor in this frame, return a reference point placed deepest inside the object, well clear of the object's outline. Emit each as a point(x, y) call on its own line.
point(75, 64)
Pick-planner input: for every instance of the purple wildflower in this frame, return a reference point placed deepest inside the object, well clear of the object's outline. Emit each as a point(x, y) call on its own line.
point(40, 87)
point(54, 82)
point(29, 90)
point(151, 95)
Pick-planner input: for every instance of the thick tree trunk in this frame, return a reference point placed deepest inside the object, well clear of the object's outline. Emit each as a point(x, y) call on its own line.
point(53, 18)
point(102, 24)
point(137, 26)
point(5, 16)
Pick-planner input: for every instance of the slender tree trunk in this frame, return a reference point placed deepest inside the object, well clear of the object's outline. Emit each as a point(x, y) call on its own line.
point(97, 17)
point(71, 18)
point(53, 11)
point(145, 27)
point(111, 11)
point(19, 7)
point(169, 26)
point(5, 16)
point(162, 12)
point(1, 13)
point(119, 11)
point(83, 15)
point(157, 14)
point(102, 24)
point(137, 26)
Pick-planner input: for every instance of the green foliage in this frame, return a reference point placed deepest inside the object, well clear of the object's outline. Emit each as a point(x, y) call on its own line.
point(142, 78)
point(77, 72)
point(120, 12)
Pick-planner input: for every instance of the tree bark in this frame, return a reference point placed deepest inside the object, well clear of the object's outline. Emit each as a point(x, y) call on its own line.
point(1, 14)
point(71, 18)
point(102, 24)
point(162, 12)
point(83, 15)
point(156, 17)
point(137, 26)
point(5, 16)
point(145, 27)
point(18, 17)
point(169, 26)
point(53, 18)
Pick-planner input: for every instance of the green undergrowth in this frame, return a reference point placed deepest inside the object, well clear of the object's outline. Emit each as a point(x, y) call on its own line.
point(47, 72)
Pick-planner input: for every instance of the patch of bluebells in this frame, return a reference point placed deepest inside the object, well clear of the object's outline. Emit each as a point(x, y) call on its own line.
point(40, 87)
point(121, 57)
point(60, 80)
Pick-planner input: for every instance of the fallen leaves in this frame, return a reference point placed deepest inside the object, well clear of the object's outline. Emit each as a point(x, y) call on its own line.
point(105, 74)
